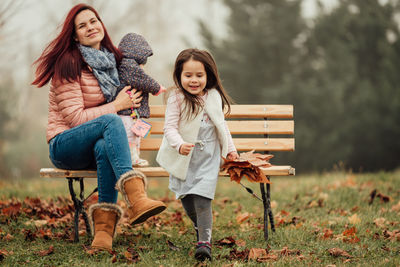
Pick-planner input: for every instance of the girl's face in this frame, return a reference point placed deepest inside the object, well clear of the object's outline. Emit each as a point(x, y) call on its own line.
point(194, 77)
point(89, 30)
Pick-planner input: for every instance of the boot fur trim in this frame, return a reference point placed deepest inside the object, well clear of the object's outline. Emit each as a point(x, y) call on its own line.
point(125, 178)
point(108, 207)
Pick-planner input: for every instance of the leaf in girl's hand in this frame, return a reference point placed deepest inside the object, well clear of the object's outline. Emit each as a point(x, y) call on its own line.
point(248, 165)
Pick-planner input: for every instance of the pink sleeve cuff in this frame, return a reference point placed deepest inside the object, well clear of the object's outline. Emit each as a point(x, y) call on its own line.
point(162, 90)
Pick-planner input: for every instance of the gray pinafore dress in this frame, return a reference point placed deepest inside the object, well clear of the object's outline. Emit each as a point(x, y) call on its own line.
point(202, 175)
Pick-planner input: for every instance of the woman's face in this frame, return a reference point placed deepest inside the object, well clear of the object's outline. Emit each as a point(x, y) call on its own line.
point(194, 77)
point(89, 30)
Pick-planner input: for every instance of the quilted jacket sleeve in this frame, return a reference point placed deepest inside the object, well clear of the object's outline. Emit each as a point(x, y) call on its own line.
point(71, 104)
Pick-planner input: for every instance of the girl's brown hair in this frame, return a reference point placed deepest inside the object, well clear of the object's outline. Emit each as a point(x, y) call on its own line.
point(61, 59)
point(193, 103)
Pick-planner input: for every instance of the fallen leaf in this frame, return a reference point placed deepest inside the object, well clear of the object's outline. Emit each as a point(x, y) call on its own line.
point(8, 237)
point(227, 241)
point(337, 252)
point(172, 246)
point(268, 257)
point(13, 210)
point(349, 236)
point(235, 254)
point(328, 233)
point(372, 196)
point(242, 217)
point(114, 258)
point(240, 243)
point(392, 235)
point(256, 253)
point(396, 208)
point(46, 252)
point(286, 251)
point(380, 222)
point(354, 219)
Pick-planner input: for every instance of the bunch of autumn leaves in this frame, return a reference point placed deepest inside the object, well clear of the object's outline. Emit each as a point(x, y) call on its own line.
point(249, 164)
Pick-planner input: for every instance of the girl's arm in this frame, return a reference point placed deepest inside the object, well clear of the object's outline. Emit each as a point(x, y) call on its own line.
point(172, 117)
point(232, 153)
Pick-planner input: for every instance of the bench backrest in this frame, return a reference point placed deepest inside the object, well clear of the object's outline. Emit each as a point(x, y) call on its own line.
point(252, 127)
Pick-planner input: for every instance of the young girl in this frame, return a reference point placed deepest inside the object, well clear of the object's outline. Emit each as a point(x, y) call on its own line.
point(195, 137)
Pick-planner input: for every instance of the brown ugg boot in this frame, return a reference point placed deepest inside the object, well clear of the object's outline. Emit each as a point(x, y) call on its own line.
point(132, 187)
point(103, 221)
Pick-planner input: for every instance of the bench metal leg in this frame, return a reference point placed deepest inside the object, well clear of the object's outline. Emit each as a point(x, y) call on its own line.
point(78, 205)
point(264, 198)
point(271, 216)
point(268, 216)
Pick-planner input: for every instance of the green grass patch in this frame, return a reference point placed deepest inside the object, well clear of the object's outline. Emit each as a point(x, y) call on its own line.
point(356, 214)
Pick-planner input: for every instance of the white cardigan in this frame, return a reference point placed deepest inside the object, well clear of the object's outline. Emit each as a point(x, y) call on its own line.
point(169, 157)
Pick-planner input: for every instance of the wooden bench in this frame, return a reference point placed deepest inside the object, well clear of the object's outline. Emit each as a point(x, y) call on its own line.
point(252, 128)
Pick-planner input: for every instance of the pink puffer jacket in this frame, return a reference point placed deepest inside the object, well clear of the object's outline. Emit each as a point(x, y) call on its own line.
point(73, 103)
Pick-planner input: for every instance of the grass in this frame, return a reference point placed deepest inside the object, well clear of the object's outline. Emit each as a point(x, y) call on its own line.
point(313, 214)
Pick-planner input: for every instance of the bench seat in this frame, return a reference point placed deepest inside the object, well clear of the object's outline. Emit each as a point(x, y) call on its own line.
point(150, 172)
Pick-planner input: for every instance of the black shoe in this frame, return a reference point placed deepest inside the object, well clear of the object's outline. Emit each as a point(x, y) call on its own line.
point(203, 251)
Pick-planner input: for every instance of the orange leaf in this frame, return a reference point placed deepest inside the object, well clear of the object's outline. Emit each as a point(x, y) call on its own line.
point(248, 165)
point(46, 252)
point(337, 252)
point(242, 217)
point(256, 253)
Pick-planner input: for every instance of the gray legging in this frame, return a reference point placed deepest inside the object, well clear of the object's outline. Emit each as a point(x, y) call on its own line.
point(199, 210)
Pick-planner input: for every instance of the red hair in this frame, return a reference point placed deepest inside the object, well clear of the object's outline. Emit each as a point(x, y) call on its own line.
point(61, 59)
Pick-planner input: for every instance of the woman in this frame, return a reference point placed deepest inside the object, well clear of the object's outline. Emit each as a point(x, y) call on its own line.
point(83, 131)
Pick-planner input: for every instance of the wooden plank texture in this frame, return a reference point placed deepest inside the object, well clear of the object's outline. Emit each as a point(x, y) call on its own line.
point(250, 120)
point(149, 172)
point(242, 111)
point(242, 144)
point(244, 127)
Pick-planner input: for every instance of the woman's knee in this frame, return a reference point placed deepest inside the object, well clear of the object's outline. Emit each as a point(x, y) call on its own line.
point(100, 147)
point(112, 118)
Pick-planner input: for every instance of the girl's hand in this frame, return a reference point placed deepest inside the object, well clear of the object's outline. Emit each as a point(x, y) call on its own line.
point(125, 101)
point(185, 149)
point(232, 155)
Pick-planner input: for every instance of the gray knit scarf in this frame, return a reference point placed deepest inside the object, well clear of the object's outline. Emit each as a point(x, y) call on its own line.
point(104, 68)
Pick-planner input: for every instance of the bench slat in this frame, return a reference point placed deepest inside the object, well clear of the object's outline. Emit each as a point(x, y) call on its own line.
point(240, 111)
point(149, 172)
point(242, 144)
point(244, 127)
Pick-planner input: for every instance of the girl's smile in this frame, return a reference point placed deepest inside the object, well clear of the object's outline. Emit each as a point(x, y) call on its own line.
point(194, 77)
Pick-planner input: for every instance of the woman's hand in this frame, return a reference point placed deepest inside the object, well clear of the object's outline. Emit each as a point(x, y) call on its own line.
point(125, 101)
point(185, 149)
point(232, 155)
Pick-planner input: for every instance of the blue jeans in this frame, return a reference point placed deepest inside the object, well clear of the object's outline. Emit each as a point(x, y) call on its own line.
point(97, 144)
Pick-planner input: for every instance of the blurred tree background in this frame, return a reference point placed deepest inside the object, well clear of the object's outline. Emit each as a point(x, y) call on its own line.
point(339, 70)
